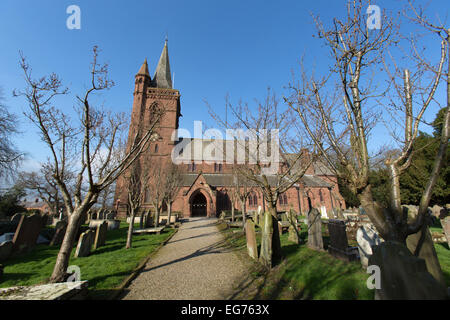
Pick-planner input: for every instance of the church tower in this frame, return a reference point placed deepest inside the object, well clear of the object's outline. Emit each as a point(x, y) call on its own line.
point(147, 92)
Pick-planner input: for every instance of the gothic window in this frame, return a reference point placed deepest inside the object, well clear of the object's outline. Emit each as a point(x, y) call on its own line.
point(283, 199)
point(255, 199)
point(250, 200)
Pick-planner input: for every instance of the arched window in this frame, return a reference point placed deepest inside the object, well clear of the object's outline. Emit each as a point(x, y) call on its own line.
point(250, 200)
point(255, 199)
point(283, 199)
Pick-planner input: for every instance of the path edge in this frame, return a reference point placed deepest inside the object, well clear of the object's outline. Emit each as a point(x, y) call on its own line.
point(118, 290)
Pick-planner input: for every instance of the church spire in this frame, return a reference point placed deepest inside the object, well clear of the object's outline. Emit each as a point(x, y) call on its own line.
point(144, 69)
point(162, 78)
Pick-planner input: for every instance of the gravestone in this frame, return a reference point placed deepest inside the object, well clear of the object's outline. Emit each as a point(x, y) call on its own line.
point(5, 250)
point(428, 251)
point(100, 235)
point(323, 212)
point(100, 214)
point(265, 256)
point(436, 210)
point(27, 232)
point(293, 235)
point(85, 244)
point(446, 227)
point(315, 240)
point(404, 276)
point(338, 246)
point(61, 227)
point(252, 247)
point(367, 238)
point(280, 228)
point(222, 215)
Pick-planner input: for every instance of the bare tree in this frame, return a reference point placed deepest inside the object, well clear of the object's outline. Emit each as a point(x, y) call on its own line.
point(277, 173)
point(156, 189)
point(172, 186)
point(356, 52)
point(94, 140)
point(45, 185)
point(138, 181)
point(9, 156)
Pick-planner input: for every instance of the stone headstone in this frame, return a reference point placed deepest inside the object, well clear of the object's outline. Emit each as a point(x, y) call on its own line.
point(446, 227)
point(323, 212)
point(367, 238)
point(100, 235)
point(404, 276)
point(436, 210)
point(280, 228)
point(293, 235)
point(315, 240)
point(27, 232)
point(266, 240)
point(16, 218)
point(61, 227)
point(338, 246)
point(427, 251)
point(6, 249)
point(85, 244)
point(252, 247)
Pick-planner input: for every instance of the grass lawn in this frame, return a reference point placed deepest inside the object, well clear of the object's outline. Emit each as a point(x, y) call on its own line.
point(105, 268)
point(309, 274)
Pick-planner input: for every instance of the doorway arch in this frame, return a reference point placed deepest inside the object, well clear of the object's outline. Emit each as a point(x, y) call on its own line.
point(199, 205)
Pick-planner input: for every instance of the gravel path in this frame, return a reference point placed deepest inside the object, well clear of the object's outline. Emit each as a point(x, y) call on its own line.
point(193, 265)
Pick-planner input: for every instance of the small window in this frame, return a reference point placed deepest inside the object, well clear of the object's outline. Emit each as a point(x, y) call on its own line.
point(220, 167)
point(156, 148)
point(320, 195)
point(250, 200)
point(191, 167)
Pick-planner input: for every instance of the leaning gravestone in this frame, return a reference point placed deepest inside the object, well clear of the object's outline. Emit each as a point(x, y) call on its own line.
point(404, 276)
point(367, 238)
point(5, 250)
point(338, 246)
point(252, 247)
point(85, 244)
point(61, 227)
point(315, 240)
point(428, 251)
point(27, 232)
point(293, 235)
point(100, 235)
point(436, 210)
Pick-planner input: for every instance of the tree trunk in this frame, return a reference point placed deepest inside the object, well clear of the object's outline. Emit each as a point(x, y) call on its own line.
point(130, 229)
point(157, 217)
point(232, 211)
point(169, 212)
point(62, 260)
point(243, 214)
point(276, 243)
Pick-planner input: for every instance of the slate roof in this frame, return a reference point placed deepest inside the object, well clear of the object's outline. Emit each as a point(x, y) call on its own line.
point(224, 180)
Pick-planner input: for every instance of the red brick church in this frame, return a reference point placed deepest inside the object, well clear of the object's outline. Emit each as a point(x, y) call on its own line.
point(206, 187)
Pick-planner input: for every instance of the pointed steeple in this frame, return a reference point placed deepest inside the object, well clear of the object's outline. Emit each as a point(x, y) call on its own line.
point(144, 69)
point(162, 78)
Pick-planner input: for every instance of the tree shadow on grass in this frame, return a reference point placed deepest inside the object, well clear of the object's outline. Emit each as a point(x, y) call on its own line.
point(9, 276)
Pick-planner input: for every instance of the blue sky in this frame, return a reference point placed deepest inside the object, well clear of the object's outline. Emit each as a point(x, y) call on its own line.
point(215, 48)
